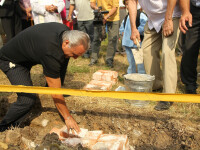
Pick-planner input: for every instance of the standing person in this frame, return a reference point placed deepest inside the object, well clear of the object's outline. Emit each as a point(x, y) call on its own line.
point(48, 45)
point(10, 14)
point(1, 32)
point(190, 26)
point(47, 10)
point(26, 15)
point(122, 15)
point(160, 33)
point(112, 21)
point(85, 19)
point(65, 13)
point(125, 29)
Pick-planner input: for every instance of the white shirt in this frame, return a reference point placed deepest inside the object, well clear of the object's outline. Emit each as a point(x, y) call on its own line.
point(84, 11)
point(40, 15)
point(155, 10)
point(121, 4)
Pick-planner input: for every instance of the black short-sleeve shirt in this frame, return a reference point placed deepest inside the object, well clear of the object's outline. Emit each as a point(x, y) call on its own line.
point(39, 44)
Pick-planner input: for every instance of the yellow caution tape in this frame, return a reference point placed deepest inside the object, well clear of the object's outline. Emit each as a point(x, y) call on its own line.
point(191, 98)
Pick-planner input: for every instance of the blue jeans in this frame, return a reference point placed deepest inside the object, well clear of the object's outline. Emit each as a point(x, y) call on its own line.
point(132, 64)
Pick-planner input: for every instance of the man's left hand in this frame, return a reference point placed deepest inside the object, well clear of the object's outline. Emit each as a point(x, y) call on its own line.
point(168, 27)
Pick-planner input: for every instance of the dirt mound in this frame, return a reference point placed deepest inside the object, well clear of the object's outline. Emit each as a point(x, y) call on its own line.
point(146, 129)
point(52, 142)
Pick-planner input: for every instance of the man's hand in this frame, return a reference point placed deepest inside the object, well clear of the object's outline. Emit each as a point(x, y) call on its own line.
point(51, 8)
point(105, 19)
point(168, 27)
point(28, 12)
point(71, 124)
point(60, 104)
point(186, 17)
point(69, 18)
point(135, 36)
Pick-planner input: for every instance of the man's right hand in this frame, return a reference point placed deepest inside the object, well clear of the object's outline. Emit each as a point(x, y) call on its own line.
point(135, 35)
point(186, 17)
point(72, 125)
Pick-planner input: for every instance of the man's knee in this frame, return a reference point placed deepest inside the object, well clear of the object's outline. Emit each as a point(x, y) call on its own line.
point(28, 99)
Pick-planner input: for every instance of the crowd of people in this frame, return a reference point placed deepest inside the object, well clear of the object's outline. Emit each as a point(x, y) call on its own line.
point(149, 32)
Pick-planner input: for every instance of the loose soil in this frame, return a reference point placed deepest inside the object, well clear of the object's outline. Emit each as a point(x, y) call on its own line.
point(147, 129)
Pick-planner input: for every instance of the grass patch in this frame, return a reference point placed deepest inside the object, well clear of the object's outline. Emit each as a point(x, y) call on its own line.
point(79, 69)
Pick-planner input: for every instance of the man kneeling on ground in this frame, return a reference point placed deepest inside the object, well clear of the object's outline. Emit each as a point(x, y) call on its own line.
point(48, 44)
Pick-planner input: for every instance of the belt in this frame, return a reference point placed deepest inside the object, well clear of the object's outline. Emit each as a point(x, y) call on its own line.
point(122, 7)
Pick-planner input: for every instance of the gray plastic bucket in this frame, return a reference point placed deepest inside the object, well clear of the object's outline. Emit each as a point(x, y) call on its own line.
point(138, 83)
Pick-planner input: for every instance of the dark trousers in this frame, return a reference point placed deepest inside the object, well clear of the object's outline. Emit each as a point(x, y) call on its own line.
point(11, 26)
point(87, 27)
point(191, 51)
point(96, 42)
point(113, 32)
point(20, 75)
point(17, 75)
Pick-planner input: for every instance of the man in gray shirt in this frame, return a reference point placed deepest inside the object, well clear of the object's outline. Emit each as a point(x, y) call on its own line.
point(85, 19)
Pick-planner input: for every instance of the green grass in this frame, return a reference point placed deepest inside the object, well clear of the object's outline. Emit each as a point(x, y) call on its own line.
point(78, 69)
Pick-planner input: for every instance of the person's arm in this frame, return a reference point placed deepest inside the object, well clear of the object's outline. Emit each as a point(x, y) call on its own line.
point(168, 23)
point(186, 15)
point(61, 105)
point(37, 7)
point(71, 9)
point(22, 7)
point(59, 6)
point(111, 12)
point(94, 6)
point(143, 20)
point(132, 8)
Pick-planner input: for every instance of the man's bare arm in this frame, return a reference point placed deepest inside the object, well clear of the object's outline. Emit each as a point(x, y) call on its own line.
point(186, 15)
point(111, 12)
point(168, 23)
point(132, 8)
point(93, 5)
point(61, 105)
point(71, 9)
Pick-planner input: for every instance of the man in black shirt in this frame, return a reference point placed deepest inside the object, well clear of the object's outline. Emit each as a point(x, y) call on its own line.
point(48, 44)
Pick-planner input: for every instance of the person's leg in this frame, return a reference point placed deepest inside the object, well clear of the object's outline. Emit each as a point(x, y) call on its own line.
point(96, 44)
point(131, 60)
point(141, 69)
point(151, 47)
point(169, 66)
point(90, 31)
point(81, 26)
point(18, 75)
point(190, 56)
point(17, 24)
point(180, 43)
point(113, 31)
point(8, 27)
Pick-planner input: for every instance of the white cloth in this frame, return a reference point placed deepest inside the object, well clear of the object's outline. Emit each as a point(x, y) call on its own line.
point(2, 2)
point(121, 4)
point(155, 10)
point(40, 15)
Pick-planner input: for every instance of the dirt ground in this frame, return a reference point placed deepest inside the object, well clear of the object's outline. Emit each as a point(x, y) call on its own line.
point(147, 129)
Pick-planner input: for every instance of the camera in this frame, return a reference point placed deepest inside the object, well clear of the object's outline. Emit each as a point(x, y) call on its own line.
point(98, 16)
